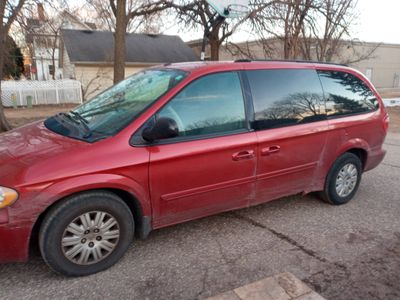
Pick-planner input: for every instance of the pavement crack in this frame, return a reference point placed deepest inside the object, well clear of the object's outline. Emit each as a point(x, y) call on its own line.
point(204, 284)
point(390, 144)
point(249, 220)
point(222, 254)
point(390, 165)
point(282, 237)
point(293, 242)
point(342, 268)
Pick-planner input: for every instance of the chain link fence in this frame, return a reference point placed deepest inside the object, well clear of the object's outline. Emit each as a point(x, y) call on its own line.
point(30, 92)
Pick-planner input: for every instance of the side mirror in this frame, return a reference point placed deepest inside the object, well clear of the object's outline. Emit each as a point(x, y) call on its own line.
point(164, 128)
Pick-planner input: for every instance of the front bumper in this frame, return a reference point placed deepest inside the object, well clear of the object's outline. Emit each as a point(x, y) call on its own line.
point(14, 240)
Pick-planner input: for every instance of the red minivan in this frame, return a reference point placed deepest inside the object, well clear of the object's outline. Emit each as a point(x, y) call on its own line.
point(179, 142)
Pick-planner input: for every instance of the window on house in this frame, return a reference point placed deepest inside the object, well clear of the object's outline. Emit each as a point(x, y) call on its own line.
point(51, 69)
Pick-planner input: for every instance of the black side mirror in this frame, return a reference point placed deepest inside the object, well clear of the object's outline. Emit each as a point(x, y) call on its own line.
point(164, 128)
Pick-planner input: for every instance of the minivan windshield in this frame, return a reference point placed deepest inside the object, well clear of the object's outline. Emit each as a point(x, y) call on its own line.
point(112, 110)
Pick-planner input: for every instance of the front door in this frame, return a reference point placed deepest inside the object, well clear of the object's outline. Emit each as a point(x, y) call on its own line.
point(210, 167)
point(291, 127)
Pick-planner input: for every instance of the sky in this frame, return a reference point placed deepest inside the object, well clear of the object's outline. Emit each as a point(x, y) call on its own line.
point(378, 22)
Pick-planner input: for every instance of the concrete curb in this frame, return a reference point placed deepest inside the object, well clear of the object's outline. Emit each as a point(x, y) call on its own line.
point(284, 286)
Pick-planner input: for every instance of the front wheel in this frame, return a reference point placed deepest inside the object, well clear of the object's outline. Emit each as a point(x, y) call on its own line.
point(343, 179)
point(86, 233)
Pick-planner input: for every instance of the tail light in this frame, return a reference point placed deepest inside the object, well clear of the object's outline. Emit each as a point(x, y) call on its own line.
point(386, 122)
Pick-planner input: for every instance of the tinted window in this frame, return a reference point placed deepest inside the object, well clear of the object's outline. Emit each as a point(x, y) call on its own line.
point(286, 97)
point(211, 104)
point(346, 94)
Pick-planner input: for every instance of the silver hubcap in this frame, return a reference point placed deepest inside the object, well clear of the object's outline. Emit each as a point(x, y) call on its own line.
point(90, 238)
point(346, 180)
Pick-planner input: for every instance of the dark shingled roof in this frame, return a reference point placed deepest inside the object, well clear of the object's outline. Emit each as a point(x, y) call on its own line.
point(98, 46)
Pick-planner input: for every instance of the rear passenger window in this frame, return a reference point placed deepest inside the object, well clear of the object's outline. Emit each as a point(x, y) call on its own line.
point(212, 104)
point(346, 94)
point(286, 97)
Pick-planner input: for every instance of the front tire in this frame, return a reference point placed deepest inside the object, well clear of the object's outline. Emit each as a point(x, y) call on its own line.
point(86, 233)
point(343, 179)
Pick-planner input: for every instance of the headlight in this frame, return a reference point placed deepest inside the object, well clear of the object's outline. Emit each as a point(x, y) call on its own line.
point(7, 197)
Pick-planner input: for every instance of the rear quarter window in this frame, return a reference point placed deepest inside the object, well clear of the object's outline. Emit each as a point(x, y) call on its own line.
point(346, 94)
point(285, 97)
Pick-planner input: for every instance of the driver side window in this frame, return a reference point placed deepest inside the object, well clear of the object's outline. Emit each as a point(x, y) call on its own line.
point(211, 104)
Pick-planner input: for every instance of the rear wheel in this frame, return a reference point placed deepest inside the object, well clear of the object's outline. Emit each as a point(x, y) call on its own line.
point(343, 179)
point(86, 233)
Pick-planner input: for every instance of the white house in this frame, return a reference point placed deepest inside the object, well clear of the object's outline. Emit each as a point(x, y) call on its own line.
point(43, 38)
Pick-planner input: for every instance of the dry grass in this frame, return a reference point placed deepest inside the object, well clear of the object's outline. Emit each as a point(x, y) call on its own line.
point(22, 116)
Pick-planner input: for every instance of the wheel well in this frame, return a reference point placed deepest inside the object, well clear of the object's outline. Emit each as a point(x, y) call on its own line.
point(361, 154)
point(127, 197)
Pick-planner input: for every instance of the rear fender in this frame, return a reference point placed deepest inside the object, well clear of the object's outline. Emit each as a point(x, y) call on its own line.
point(355, 143)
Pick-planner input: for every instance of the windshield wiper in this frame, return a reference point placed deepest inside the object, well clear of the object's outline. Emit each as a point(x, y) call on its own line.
point(81, 122)
point(79, 116)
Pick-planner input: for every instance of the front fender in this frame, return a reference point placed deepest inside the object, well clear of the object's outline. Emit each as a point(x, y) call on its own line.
point(66, 187)
point(21, 217)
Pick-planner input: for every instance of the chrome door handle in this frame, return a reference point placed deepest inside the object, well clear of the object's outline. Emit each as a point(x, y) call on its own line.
point(270, 150)
point(247, 154)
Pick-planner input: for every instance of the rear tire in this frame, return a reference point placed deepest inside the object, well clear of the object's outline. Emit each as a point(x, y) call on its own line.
point(86, 233)
point(343, 179)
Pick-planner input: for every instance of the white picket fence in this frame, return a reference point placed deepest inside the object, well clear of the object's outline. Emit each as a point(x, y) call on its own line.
point(40, 92)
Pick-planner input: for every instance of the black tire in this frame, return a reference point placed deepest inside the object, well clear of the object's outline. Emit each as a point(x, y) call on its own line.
point(53, 232)
point(330, 193)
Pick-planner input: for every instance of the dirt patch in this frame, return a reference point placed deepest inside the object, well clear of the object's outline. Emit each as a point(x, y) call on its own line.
point(394, 113)
point(374, 275)
point(22, 116)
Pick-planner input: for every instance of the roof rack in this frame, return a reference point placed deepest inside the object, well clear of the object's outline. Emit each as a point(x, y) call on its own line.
point(289, 60)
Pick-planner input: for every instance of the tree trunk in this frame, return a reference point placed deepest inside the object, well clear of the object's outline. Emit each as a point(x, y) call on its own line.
point(119, 40)
point(53, 61)
point(214, 42)
point(4, 126)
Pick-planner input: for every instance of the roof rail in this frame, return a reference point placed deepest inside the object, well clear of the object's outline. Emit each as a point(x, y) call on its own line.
point(242, 60)
point(289, 60)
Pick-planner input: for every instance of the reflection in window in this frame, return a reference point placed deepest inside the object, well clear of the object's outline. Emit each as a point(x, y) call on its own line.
point(286, 97)
point(211, 104)
point(116, 107)
point(346, 94)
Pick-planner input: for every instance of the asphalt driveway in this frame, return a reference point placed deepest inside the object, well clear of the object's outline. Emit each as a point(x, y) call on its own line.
point(346, 252)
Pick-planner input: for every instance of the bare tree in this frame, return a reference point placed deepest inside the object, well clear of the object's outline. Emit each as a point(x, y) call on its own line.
point(100, 13)
point(93, 85)
point(311, 30)
point(198, 14)
point(326, 27)
point(294, 16)
point(47, 40)
point(122, 16)
point(9, 10)
point(41, 25)
point(283, 21)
